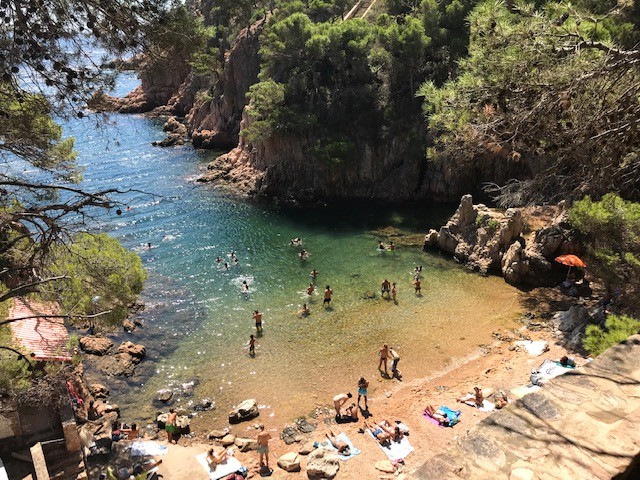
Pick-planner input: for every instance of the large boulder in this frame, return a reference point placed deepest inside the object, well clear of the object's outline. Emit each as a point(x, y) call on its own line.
point(323, 463)
point(290, 462)
point(95, 345)
point(247, 410)
point(246, 444)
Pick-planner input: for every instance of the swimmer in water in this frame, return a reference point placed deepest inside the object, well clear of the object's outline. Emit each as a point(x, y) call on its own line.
point(303, 254)
point(245, 287)
point(218, 260)
point(235, 261)
point(233, 254)
point(381, 246)
point(304, 311)
point(296, 242)
point(149, 247)
point(392, 247)
point(313, 275)
point(310, 289)
point(226, 265)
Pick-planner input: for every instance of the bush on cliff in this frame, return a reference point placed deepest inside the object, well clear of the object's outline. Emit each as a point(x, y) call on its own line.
point(616, 329)
point(100, 275)
point(611, 231)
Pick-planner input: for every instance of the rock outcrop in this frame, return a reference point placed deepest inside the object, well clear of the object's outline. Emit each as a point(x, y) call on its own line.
point(162, 84)
point(176, 133)
point(488, 240)
point(531, 263)
point(478, 236)
point(95, 345)
point(580, 425)
point(123, 361)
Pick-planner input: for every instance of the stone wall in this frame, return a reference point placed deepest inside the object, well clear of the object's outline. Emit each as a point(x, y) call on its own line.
point(582, 425)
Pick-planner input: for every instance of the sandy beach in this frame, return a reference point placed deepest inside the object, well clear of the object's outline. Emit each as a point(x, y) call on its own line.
point(495, 366)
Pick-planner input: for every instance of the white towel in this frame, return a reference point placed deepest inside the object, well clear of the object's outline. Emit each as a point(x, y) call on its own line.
point(229, 466)
point(395, 450)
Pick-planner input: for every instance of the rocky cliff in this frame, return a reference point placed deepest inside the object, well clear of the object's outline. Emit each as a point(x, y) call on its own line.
point(506, 242)
point(214, 121)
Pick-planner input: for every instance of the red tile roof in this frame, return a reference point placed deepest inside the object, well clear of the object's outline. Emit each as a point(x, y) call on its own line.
point(47, 338)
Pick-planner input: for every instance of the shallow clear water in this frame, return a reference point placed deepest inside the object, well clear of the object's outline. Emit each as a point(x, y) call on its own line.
point(197, 321)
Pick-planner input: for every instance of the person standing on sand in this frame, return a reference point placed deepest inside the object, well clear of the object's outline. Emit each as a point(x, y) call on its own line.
point(257, 316)
point(170, 425)
point(363, 385)
point(327, 296)
point(416, 285)
point(263, 446)
point(383, 353)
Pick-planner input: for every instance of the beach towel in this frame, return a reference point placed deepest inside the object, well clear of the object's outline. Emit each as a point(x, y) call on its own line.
point(353, 451)
point(486, 406)
point(520, 392)
point(229, 466)
point(546, 371)
point(395, 450)
point(147, 449)
point(452, 415)
point(533, 347)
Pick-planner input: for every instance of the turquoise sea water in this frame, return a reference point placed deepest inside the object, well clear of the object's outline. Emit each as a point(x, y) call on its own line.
point(197, 321)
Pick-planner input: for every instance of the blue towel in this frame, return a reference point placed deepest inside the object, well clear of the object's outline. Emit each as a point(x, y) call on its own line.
point(452, 415)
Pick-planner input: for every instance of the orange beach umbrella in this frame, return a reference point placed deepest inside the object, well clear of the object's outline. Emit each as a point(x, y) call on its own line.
point(571, 261)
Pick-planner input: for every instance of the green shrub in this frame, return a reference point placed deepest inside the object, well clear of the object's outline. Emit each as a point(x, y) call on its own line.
point(100, 275)
point(617, 328)
point(610, 229)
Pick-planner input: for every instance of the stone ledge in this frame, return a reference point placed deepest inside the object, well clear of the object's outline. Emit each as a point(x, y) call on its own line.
point(580, 425)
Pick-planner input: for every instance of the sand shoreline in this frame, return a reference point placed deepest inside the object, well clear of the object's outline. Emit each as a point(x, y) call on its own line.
point(494, 366)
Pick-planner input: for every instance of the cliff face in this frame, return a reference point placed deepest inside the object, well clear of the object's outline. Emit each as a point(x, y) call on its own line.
point(215, 122)
point(165, 84)
point(393, 170)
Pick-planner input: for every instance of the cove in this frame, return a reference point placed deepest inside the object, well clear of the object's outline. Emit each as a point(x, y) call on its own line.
point(197, 321)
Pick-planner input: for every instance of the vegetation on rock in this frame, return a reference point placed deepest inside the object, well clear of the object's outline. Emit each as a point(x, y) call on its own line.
point(611, 231)
point(617, 328)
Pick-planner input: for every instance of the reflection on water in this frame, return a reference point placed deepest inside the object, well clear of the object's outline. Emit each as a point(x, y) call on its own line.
point(197, 320)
